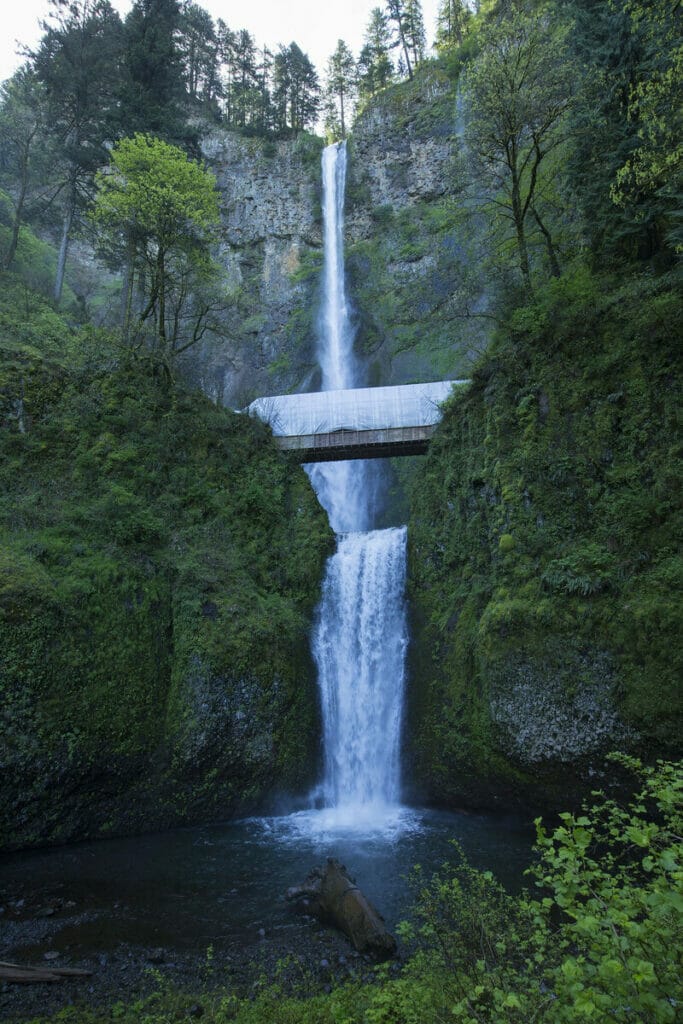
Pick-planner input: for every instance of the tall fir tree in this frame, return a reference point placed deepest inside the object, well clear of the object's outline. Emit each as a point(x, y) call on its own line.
point(296, 90)
point(152, 92)
point(78, 61)
point(340, 90)
point(452, 23)
point(375, 70)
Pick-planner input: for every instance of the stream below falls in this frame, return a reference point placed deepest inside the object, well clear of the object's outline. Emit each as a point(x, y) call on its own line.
point(223, 885)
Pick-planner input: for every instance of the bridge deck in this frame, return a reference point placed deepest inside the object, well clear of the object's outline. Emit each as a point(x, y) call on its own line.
point(357, 444)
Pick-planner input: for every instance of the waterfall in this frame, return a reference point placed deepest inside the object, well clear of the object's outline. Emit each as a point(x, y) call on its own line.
point(360, 638)
point(343, 488)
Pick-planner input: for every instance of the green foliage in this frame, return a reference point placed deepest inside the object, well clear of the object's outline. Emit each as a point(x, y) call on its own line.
point(598, 940)
point(160, 563)
point(157, 211)
point(544, 536)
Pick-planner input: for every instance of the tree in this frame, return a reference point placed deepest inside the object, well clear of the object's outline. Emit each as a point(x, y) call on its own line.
point(77, 62)
point(652, 175)
point(340, 88)
point(518, 92)
point(405, 17)
point(375, 70)
point(452, 24)
point(199, 52)
point(152, 89)
point(24, 148)
point(296, 91)
point(156, 210)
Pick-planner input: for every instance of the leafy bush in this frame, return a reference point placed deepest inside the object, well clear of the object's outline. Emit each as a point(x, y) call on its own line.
point(600, 937)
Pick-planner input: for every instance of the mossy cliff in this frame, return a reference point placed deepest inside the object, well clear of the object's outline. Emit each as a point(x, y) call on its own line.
point(408, 258)
point(543, 551)
point(159, 566)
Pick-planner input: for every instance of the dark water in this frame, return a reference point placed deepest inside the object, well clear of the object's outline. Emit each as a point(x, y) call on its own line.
point(222, 883)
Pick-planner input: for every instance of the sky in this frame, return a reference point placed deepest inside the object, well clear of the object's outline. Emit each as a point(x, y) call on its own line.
point(315, 25)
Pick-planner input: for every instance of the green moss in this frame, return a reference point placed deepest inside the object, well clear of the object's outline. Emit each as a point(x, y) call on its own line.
point(544, 536)
point(160, 565)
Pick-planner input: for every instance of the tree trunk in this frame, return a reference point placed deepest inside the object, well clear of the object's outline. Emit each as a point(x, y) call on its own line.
point(19, 208)
point(552, 255)
point(64, 247)
point(127, 294)
point(522, 251)
point(332, 895)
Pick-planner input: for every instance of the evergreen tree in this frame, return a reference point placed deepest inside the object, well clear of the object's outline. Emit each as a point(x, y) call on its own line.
point(375, 69)
point(405, 18)
point(78, 63)
point(199, 52)
point(415, 30)
point(25, 151)
point(340, 89)
point(153, 89)
point(397, 17)
point(452, 24)
point(296, 91)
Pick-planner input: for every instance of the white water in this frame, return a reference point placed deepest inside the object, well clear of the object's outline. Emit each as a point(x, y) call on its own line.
point(360, 639)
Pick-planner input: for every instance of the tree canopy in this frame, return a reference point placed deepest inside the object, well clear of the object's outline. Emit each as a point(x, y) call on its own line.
point(157, 209)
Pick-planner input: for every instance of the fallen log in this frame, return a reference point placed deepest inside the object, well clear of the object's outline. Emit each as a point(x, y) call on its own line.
point(331, 894)
point(24, 974)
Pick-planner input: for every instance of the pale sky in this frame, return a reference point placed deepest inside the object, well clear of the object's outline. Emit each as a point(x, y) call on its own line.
point(315, 25)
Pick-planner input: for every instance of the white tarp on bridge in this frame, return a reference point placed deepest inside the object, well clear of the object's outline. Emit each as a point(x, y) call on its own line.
point(321, 412)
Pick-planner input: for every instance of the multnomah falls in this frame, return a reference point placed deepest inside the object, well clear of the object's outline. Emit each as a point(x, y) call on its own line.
point(360, 639)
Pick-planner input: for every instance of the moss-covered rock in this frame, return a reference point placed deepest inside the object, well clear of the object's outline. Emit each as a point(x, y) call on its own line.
point(543, 551)
point(159, 566)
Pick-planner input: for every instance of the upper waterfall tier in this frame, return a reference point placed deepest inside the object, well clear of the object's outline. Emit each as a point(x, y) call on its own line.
point(321, 412)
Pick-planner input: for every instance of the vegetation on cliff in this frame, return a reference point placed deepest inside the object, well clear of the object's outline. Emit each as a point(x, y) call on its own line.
point(545, 526)
point(544, 554)
point(160, 564)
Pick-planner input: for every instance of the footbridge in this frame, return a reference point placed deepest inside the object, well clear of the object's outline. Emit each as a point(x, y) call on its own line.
point(358, 423)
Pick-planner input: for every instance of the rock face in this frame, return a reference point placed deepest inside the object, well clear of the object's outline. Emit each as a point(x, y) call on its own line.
point(408, 261)
point(270, 245)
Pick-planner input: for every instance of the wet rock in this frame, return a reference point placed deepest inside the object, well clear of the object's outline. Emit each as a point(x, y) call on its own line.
point(52, 954)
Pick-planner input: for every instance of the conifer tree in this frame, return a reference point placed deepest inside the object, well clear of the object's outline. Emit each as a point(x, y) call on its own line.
point(375, 69)
point(199, 52)
point(152, 88)
point(296, 91)
point(405, 18)
point(78, 63)
point(25, 151)
point(340, 89)
point(452, 24)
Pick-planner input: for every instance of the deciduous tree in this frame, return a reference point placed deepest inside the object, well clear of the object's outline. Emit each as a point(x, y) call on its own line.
point(518, 92)
point(156, 210)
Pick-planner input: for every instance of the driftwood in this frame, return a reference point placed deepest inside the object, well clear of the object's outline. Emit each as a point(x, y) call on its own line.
point(21, 974)
point(331, 894)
